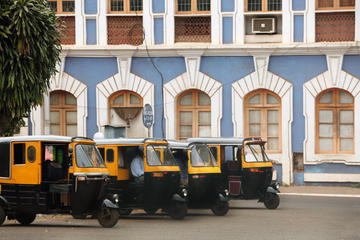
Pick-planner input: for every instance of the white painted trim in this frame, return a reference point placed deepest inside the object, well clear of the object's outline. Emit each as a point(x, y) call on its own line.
point(102, 23)
point(80, 32)
point(239, 22)
point(263, 79)
point(215, 22)
point(335, 77)
point(123, 80)
point(192, 79)
point(287, 21)
point(148, 22)
point(309, 21)
point(169, 23)
point(331, 177)
point(357, 21)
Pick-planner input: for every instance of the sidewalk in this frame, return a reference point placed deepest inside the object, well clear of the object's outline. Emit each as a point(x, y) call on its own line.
point(331, 191)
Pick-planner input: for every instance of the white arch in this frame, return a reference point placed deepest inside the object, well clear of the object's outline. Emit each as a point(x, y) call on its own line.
point(192, 79)
point(263, 79)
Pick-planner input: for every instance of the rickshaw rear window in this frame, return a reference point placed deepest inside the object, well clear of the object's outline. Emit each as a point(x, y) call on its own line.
point(19, 153)
point(159, 155)
point(87, 156)
point(5, 160)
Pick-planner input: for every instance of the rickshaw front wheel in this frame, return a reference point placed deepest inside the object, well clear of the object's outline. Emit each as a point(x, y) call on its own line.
point(108, 217)
point(25, 218)
point(220, 208)
point(271, 200)
point(177, 210)
point(2, 215)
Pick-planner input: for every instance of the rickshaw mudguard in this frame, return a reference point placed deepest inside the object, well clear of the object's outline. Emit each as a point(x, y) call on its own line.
point(272, 190)
point(107, 203)
point(176, 197)
point(4, 203)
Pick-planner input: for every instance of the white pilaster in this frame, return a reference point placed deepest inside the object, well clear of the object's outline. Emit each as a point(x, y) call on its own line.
point(309, 21)
point(79, 23)
point(239, 22)
point(287, 21)
point(169, 23)
point(102, 23)
point(148, 21)
point(215, 22)
point(357, 20)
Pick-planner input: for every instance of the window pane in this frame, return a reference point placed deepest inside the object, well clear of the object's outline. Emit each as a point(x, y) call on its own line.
point(54, 117)
point(71, 117)
point(186, 100)
point(325, 116)
point(270, 99)
point(54, 129)
point(185, 118)
point(203, 5)
point(71, 130)
point(254, 99)
point(325, 130)
point(204, 100)
point(255, 130)
point(272, 116)
point(346, 144)
point(185, 131)
point(274, 5)
point(346, 116)
point(110, 155)
point(204, 131)
point(325, 144)
point(347, 3)
point(119, 100)
point(70, 99)
point(325, 3)
point(134, 99)
point(345, 98)
point(254, 116)
point(326, 98)
point(136, 5)
point(254, 5)
point(19, 153)
point(53, 6)
point(272, 143)
point(346, 130)
point(117, 5)
point(54, 99)
point(184, 5)
point(273, 130)
point(204, 118)
point(121, 163)
point(68, 6)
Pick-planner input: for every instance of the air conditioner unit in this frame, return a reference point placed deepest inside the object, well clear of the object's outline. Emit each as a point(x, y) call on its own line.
point(263, 25)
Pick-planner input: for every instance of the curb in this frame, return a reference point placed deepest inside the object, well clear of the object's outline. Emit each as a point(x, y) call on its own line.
point(321, 195)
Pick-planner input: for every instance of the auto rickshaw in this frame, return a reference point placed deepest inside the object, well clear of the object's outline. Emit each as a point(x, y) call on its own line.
point(53, 174)
point(201, 174)
point(158, 187)
point(246, 168)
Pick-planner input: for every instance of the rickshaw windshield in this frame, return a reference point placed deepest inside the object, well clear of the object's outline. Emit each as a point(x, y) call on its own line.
point(201, 156)
point(87, 156)
point(159, 155)
point(255, 153)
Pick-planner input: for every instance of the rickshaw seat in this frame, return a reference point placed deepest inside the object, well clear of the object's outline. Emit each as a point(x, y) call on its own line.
point(53, 171)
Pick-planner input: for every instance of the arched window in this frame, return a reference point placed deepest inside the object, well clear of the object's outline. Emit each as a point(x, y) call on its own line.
point(262, 112)
point(63, 114)
point(193, 114)
point(125, 105)
point(335, 122)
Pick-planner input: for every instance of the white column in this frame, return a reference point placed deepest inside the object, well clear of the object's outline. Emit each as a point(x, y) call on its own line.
point(169, 23)
point(215, 22)
point(239, 22)
point(286, 21)
point(357, 21)
point(102, 23)
point(79, 22)
point(148, 21)
point(309, 23)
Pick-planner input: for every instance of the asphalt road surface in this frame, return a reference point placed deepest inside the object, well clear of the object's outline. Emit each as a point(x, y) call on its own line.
point(297, 217)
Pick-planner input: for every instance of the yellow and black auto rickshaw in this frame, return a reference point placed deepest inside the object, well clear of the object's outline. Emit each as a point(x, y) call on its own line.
point(53, 174)
point(246, 168)
point(201, 174)
point(144, 174)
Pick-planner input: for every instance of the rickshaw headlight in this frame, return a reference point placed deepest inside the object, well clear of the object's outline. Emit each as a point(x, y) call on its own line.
point(226, 192)
point(277, 186)
point(184, 192)
point(116, 198)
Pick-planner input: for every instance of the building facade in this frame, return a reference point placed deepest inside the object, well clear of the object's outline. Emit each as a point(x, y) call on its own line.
point(285, 70)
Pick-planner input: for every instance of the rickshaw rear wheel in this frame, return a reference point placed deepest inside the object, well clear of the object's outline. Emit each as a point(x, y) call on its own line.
point(125, 212)
point(108, 217)
point(220, 208)
point(271, 200)
point(2, 215)
point(25, 218)
point(177, 210)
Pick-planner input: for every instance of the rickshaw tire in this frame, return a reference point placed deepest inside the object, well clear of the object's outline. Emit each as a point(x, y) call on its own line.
point(2, 215)
point(125, 212)
point(271, 200)
point(177, 210)
point(220, 208)
point(111, 220)
point(25, 218)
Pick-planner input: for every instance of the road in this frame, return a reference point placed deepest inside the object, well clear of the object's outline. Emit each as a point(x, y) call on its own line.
point(298, 217)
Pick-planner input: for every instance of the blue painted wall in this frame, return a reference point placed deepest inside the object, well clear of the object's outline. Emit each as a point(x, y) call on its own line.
point(332, 168)
point(298, 70)
point(91, 71)
point(227, 70)
point(91, 32)
point(91, 6)
point(298, 28)
point(351, 65)
point(227, 29)
point(159, 30)
point(298, 5)
point(170, 68)
point(227, 5)
point(158, 6)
